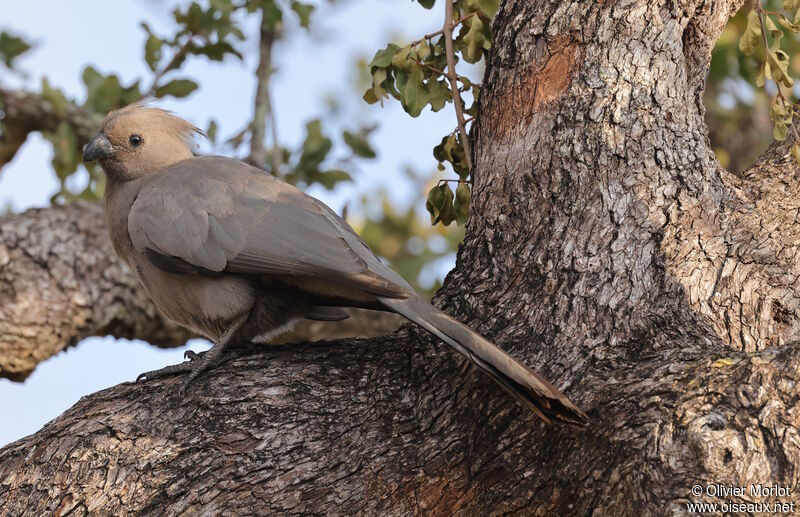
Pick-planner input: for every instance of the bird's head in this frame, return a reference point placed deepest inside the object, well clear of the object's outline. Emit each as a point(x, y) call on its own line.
point(138, 140)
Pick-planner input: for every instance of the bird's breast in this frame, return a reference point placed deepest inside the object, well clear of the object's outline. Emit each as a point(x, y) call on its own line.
point(205, 304)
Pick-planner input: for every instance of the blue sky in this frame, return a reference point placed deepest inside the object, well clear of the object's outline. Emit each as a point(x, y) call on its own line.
point(68, 35)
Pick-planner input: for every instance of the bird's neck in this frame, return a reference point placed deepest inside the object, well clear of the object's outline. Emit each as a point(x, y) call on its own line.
point(119, 197)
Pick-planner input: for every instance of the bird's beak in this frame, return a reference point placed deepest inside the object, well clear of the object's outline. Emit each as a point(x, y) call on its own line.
point(98, 149)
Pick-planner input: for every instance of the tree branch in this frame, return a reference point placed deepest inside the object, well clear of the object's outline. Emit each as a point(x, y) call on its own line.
point(263, 109)
point(173, 63)
point(26, 112)
point(447, 31)
point(60, 282)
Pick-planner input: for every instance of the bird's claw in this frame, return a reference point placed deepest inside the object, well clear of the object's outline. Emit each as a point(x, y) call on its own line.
point(191, 355)
point(167, 371)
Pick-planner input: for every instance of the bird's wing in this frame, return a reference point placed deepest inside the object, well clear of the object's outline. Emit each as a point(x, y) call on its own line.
point(217, 215)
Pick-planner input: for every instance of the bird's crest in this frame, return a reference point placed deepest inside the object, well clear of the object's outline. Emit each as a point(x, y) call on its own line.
point(145, 115)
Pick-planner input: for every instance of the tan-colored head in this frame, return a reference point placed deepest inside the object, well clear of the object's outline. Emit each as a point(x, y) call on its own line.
point(138, 140)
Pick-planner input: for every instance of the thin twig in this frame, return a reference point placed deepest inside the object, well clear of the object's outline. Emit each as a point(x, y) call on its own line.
point(447, 31)
point(459, 180)
point(262, 104)
point(441, 31)
point(170, 66)
point(429, 67)
point(440, 72)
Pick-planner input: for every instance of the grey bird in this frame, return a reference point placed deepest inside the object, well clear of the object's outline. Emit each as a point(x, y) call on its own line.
point(237, 255)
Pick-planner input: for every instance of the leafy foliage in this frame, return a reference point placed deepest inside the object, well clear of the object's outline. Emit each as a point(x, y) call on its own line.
point(407, 242)
point(417, 75)
point(762, 38)
point(211, 30)
point(11, 47)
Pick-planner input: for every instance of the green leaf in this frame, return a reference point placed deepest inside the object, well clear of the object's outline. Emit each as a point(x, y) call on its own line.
point(775, 32)
point(461, 205)
point(787, 24)
point(401, 59)
point(427, 4)
point(329, 179)
point(414, 95)
point(55, 97)
point(378, 77)
point(383, 58)
point(370, 97)
point(215, 51)
point(764, 71)
point(434, 203)
point(65, 151)
point(316, 145)
point(489, 7)
point(782, 119)
point(423, 49)
point(795, 152)
point(105, 93)
point(474, 40)
point(447, 214)
point(272, 13)
point(358, 144)
point(451, 150)
point(152, 51)
point(751, 38)
point(303, 12)
point(779, 67)
point(177, 88)
point(439, 94)
point(779, 132)
point(211, 132)
point(11, 47)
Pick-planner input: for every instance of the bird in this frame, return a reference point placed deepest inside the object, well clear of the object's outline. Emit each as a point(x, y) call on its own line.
point(237, 255)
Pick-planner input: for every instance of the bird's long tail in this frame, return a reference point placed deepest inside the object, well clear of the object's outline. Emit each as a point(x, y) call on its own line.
point(527, 386)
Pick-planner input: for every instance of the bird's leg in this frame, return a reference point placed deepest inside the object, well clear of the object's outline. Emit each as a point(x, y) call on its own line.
point(198, 363)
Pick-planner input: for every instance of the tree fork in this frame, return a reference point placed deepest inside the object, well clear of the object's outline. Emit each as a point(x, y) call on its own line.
point(606, 247)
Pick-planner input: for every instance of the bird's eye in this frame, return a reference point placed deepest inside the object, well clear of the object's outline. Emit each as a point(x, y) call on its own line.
point(135, 140)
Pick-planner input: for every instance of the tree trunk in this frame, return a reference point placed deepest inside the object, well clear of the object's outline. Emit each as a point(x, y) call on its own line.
point(606, 248)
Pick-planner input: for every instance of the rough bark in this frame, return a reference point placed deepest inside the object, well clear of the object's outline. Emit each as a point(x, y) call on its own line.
point(606, 247)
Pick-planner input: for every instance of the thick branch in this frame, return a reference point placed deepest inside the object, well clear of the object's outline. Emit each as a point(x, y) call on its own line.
point(25, 112)
point(60, 282)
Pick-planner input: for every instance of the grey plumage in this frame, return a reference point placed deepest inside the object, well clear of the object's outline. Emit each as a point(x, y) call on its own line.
point(238, 255)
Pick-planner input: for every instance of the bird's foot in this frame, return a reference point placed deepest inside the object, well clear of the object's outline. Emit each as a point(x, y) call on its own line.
point(196, 364)
point(167, 371)
point(191, 355)
point(199, 363)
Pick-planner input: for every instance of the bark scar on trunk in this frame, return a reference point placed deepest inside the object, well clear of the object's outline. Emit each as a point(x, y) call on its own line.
point(548, 77)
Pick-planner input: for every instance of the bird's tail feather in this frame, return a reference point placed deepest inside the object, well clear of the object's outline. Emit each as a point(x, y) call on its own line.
point(527, 386)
